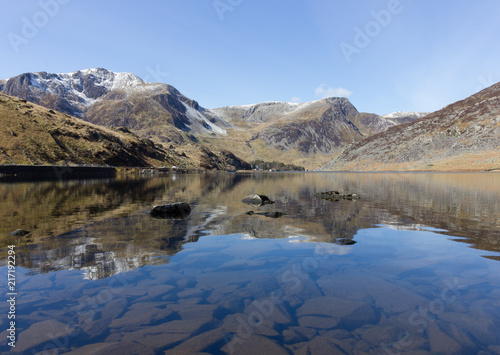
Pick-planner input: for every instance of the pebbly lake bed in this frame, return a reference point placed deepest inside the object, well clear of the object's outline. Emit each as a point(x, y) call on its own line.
point(412, 266)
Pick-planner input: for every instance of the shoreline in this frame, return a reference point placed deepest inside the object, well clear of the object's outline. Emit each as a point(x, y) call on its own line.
point(12, 173)
point(412, 171)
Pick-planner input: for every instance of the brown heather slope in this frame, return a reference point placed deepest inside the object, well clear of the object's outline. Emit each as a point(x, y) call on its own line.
point(462, 136)
point(31, 134)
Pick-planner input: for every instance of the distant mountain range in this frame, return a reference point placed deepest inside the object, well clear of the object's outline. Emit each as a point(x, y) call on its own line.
point(308, 134)
point(305, 134)
point(35, 135)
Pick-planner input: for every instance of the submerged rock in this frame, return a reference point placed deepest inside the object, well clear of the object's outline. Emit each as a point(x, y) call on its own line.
point(257, 200)
point(19, 233)
point(275, 214)
point(173, 211)
point(331, 193)
point(272, 214)
point(336, 196)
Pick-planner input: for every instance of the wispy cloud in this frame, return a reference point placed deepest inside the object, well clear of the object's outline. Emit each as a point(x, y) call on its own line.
point(295, 99)
point(323, 92)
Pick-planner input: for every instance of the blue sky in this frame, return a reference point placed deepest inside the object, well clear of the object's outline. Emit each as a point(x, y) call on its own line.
point(389, 55)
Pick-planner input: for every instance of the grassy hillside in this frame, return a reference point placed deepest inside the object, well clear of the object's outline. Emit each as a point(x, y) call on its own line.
point(31, 134)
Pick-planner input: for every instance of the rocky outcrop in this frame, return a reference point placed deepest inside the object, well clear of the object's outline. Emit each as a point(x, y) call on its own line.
point(321, 127)
point(221, 160)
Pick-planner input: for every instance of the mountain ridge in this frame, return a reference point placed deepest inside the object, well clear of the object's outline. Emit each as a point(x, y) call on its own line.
point(306, 134)
point(462, 135)
point(35, 135)
point(78, 93)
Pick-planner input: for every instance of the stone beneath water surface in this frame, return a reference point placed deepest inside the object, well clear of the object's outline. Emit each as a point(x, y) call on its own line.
point(106, 348)
point(274, 214)
point(337, 196)
point(178, 210)
point(253, 344)
point(257, 200)
point(40, 333)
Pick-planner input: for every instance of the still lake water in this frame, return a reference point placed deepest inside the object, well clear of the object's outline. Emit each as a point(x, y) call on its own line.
point(411, 267)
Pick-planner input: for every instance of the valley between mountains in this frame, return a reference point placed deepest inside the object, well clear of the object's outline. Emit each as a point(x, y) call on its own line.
point(96, 116)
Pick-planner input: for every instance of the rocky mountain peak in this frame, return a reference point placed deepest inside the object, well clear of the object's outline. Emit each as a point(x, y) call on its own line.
point(70, 93)
point(299, 133)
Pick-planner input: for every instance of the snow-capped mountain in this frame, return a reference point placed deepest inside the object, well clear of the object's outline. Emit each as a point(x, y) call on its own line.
point(299, 133)
point(104, 97)
point(74, 91)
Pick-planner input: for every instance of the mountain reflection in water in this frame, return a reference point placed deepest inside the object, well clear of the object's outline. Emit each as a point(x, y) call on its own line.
point(412, 266)
point(102, 226)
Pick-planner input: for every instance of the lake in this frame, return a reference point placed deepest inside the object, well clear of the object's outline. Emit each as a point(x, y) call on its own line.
point(412, 266)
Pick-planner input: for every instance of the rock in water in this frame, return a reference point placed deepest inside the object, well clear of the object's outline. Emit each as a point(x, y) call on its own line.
point(19, 233)
point(257, 200)
point(337, 196)
point(275, 214)
point(178, 210)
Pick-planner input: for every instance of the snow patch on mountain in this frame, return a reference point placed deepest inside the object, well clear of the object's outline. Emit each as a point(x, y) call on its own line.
point(288, 106)
point(260, 112)
point(399, 114)
point(102, 77)
point(83, 87)
point(195, 116)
